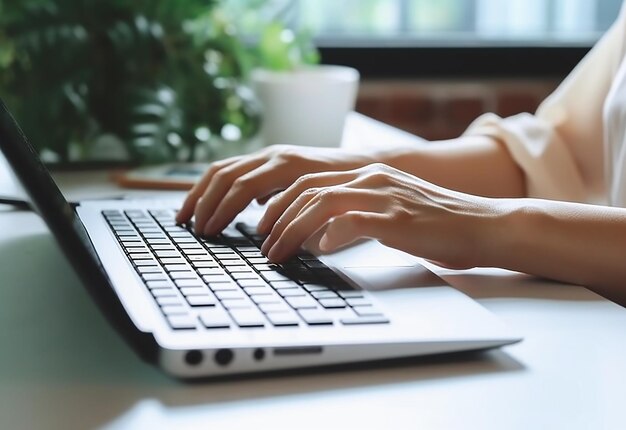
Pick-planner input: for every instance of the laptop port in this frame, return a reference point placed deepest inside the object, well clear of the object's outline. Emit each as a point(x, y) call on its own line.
point(223, 357)
point(298, 350)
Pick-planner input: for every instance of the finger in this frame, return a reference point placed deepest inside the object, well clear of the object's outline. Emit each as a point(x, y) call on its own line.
point(219, 185)
point(262, 181)
point(351, 226)
point(316, 214)
point(186, 211)
point(287, 197)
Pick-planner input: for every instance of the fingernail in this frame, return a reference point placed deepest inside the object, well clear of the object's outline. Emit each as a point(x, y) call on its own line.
point(209, 227)
point(323, 244)
point(260, 228)
point(275, 252)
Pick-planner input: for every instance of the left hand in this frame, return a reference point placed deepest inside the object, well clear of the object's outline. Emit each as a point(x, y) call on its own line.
point(383, 203)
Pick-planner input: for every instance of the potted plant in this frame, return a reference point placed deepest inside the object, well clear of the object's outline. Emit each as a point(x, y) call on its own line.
point(146, 80)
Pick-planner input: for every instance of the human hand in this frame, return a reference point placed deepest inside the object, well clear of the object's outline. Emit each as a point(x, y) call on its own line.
point(379, 202)
point(230, 185)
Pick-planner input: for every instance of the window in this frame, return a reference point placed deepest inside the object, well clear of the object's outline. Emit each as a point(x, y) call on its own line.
point(456, 22)
point(451, 37)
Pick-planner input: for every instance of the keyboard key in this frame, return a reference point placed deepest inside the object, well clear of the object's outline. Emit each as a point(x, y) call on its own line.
point(351, 294)
point(184, 275)
point(182, 283)
point(275, 307)
point(274, 276)
point(149, 269)
point(257, 291)
point(239, 269)
point(245, 276)
point(315, 317)
point(196, 291)
point(205, 264)
point(151, 262)
point(216, 278)
point(265, 299)
point(231, 294)
point(332, 303)
point(358, 301)
point(305, 302)
point(247, 317)
point(233, 262)
point(174, 260)
point(169, 300)
point(327, 294)
point(154, 277)
point(194, 252)
point(258, 260)
point(177, 309)
point(211, 271)
point(163, 247)
point(257, 282)
point(366, 311)
point(224, 286)
point(164, 292)
point(159, 241)
point(279, 285)
point(145, 256)
point(283, 319)
point(214, 318)
point(159, 284)
point(201, 301)
point(201, 257)
point(181, 322)
point(292, 292)
point(237, 304)
point(177, 268)
point(168, 254)
point(365, 320)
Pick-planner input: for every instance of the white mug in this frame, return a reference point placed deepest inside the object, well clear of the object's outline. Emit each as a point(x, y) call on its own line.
point(305, 106)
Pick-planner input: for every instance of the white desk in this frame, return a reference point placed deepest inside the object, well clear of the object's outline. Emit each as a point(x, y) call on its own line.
point(62, 366)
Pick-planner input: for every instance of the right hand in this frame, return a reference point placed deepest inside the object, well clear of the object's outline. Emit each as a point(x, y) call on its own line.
point(230, 185)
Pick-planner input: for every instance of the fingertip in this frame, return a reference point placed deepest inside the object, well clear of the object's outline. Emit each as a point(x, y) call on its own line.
point(324, 243)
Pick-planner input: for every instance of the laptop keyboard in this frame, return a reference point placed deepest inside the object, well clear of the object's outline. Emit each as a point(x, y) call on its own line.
point(225, 281)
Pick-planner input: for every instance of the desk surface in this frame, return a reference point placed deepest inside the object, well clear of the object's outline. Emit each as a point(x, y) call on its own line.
point(62, 366)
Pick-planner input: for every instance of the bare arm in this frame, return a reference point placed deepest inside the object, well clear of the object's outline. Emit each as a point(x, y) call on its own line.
point(570, 242)
point(476, 165)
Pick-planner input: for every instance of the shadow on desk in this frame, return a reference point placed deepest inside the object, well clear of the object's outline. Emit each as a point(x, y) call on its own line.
point(63, 353)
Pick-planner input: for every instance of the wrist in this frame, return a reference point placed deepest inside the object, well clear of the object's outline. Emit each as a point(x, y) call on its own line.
point(510, 233)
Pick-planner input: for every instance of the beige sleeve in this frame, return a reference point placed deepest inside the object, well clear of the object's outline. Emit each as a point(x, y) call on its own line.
point(560, 148)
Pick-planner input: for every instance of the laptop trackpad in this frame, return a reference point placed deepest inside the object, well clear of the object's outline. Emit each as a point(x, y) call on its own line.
point(377, 267)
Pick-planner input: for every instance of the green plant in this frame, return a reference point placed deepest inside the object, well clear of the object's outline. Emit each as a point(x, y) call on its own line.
point(164, 77)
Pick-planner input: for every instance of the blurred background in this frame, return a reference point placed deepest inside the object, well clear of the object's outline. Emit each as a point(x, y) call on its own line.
point(150, 81)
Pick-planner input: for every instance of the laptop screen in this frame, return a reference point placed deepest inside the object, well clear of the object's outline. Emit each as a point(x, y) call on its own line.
point(68, 230)
point(43, 193)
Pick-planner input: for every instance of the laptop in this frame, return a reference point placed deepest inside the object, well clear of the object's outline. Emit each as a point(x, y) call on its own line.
point(203, 307)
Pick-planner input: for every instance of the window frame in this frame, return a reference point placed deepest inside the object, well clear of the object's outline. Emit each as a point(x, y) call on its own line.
point(450, 62)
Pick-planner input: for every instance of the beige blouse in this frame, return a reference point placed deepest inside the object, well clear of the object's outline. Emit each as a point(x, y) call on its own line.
point(574, 147)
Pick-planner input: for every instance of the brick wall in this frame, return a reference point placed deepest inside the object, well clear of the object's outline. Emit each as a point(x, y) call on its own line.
point(439, 110)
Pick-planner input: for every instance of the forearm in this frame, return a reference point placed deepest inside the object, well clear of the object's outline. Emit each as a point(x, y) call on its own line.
point(570, 242)
point(476, 165)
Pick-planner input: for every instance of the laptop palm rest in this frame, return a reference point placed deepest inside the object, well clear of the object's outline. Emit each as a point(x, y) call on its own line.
point(374, 266)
